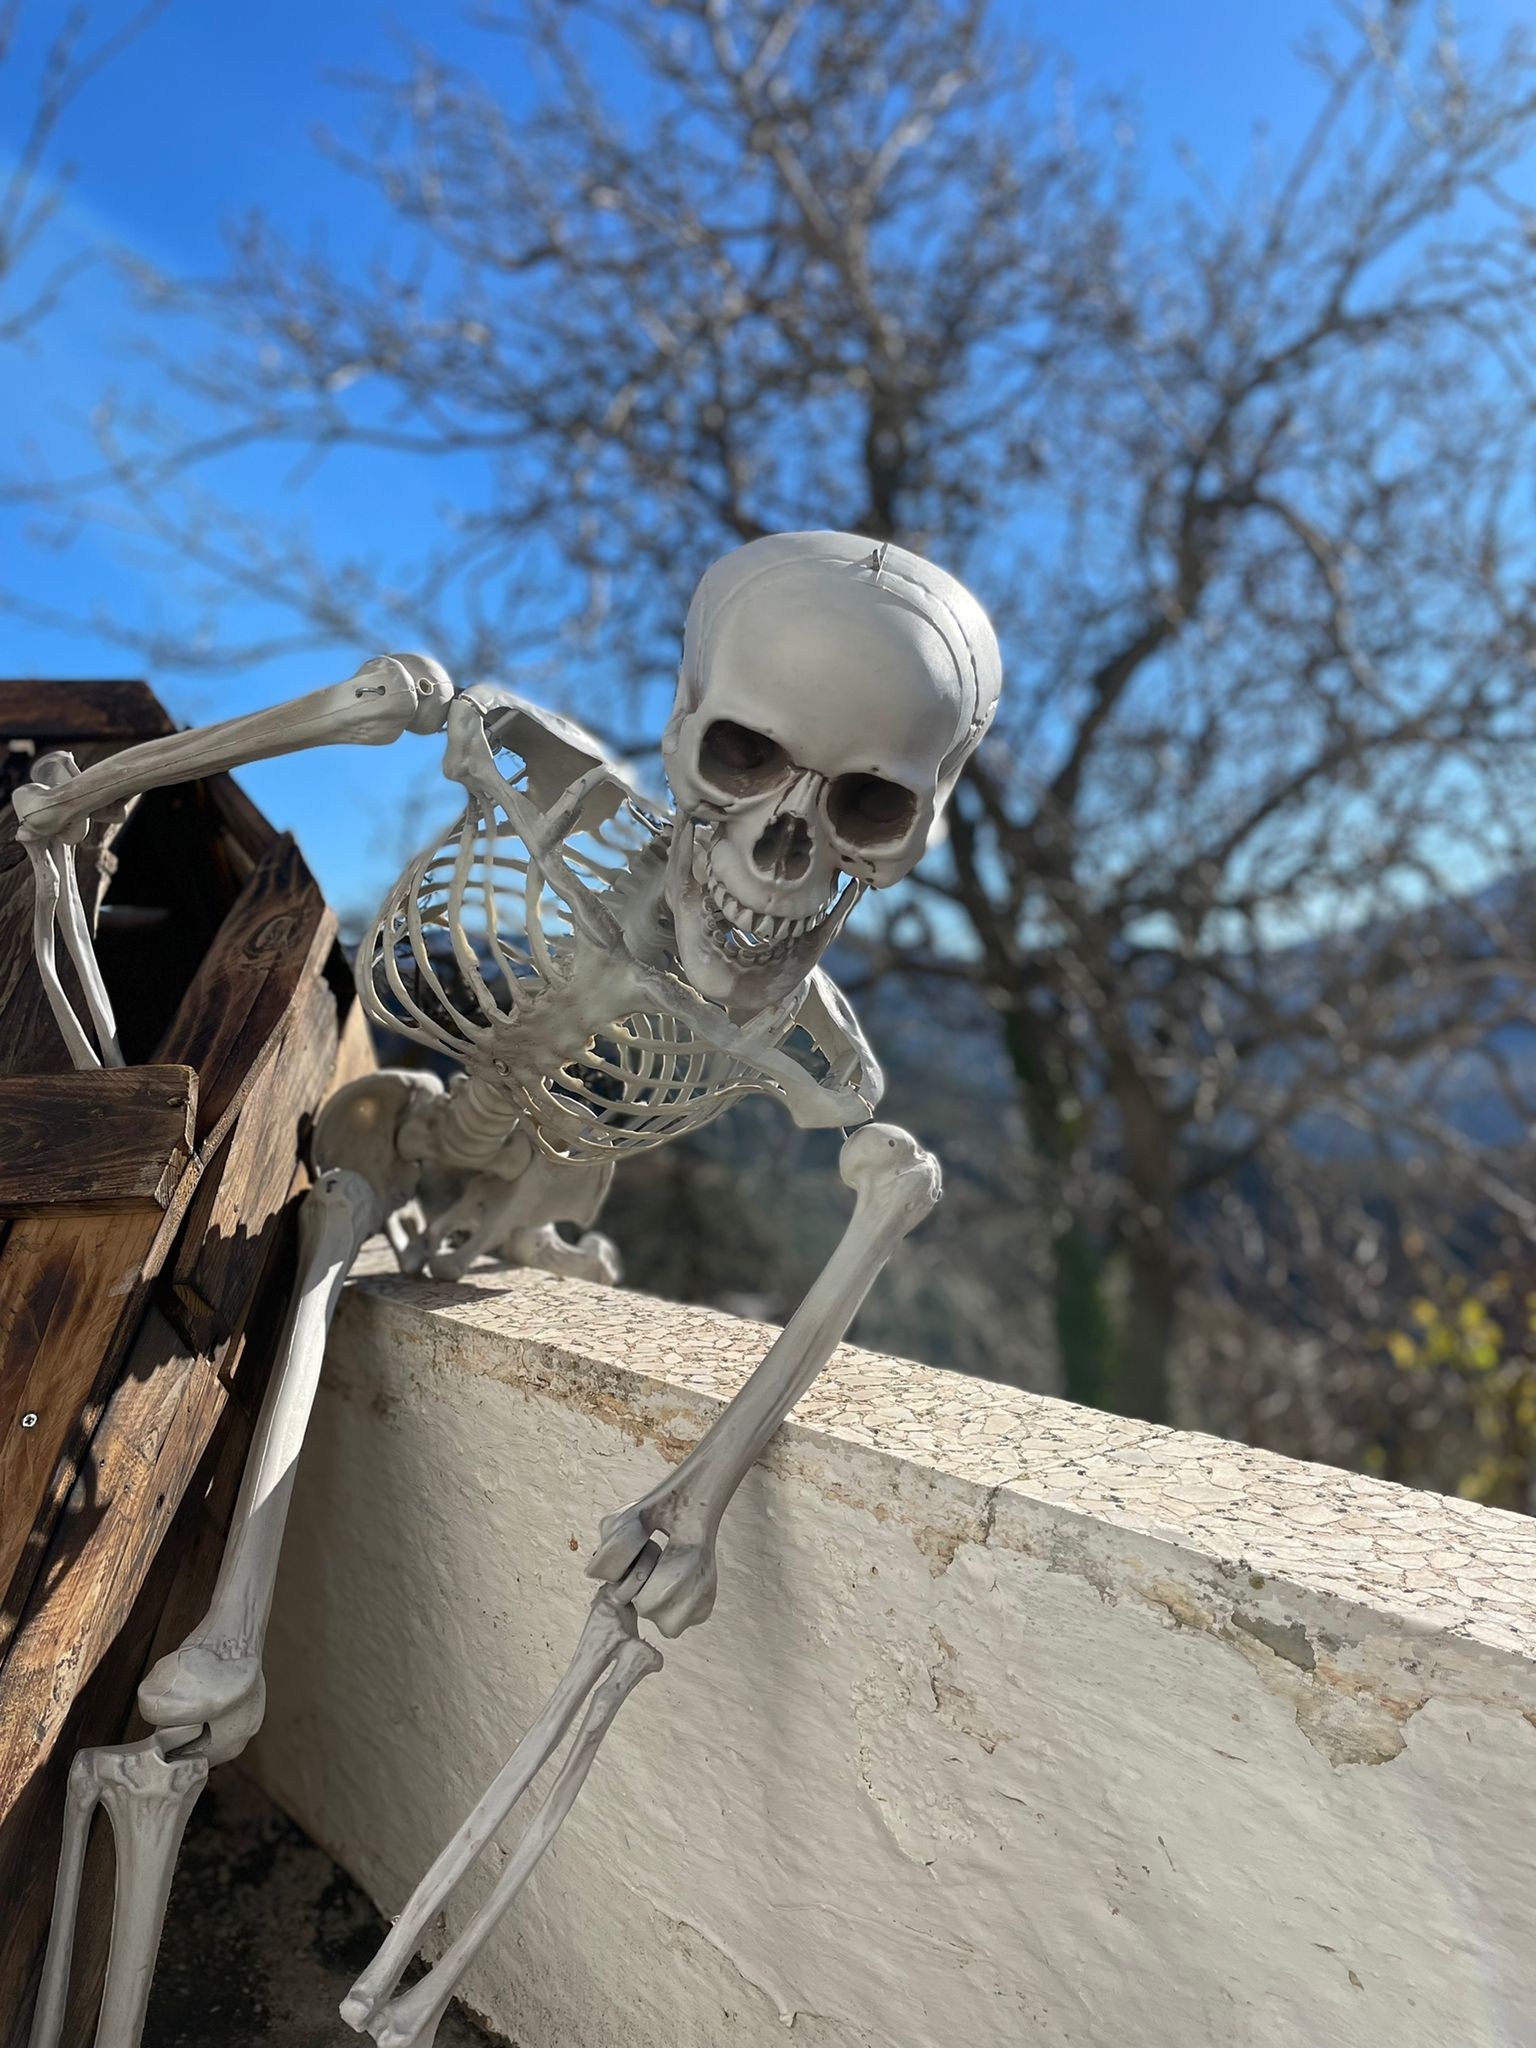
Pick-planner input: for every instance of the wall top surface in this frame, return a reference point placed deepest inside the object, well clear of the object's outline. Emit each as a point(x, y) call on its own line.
point(970, 1459)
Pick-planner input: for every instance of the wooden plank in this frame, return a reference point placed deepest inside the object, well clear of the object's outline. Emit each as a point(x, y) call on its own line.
point(205, 1288)
point(63, 1370)
point(259, 1022)
point(159, 1420)
point(56, 713)
point(71, 1288)
point(178, 1586)
point(278, 931)
point(246, 826)
point(110, 1139)
point(355, 1055)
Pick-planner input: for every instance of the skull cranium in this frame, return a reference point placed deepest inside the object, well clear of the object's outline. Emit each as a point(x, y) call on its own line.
point(831, 691)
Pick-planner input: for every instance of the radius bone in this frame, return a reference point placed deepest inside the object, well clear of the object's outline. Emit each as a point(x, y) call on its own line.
point(411, 2020)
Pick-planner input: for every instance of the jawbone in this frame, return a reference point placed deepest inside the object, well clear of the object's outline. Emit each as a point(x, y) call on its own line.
point(743, 979)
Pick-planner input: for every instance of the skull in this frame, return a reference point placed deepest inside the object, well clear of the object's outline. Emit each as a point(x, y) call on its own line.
point(831, 691)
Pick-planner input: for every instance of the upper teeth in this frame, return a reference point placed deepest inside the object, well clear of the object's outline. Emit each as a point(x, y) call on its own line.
point(763, 925)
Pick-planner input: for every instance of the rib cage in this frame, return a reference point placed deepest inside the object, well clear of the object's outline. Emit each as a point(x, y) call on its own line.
point(472, 956)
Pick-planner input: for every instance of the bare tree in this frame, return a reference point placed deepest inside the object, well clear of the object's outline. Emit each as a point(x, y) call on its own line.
point(1244, 480)
point(32, 280)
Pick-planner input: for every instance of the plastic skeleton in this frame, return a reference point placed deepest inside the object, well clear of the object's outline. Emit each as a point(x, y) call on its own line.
point(610, 976)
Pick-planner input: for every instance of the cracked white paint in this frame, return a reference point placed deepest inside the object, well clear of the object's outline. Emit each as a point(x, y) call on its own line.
point(1014, 1724)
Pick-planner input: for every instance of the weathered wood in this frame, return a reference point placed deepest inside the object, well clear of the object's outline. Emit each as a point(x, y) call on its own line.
point(246, 826)
point(163, 1412)
point(278, 931)
point(59, 713)
point(355, 1055)
point(179, 1583)
point(72, 1287)
point(113, 1139)
point(205, 1289)
point(268, 1022)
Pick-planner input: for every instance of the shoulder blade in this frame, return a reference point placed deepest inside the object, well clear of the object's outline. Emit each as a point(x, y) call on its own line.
point(555, 751)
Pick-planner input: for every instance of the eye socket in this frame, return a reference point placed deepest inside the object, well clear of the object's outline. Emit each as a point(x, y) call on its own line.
point(868, 811)
point(738, 761)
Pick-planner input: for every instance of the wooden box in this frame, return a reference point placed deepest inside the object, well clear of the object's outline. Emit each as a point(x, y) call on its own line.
point(145, 1258)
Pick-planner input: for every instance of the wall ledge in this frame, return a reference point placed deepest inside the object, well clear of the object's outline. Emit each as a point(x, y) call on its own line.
point(995, 1453)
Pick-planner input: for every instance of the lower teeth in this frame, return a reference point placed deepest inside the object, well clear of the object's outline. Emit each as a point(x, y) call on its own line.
point(745, 943)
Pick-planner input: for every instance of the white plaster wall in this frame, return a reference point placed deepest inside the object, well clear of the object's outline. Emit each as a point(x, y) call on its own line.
point(1014, 1724)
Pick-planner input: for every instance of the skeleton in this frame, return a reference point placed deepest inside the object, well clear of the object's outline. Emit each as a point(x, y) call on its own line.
point(609, 976)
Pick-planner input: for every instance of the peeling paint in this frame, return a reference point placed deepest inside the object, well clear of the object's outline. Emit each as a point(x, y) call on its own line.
point(1287, 1639)
point(958, 1705)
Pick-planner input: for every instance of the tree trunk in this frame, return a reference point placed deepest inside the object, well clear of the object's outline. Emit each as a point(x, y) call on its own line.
point(1080, 1310)
point(1085, 1337)
point(1148, 1238)
point(1149, 1326)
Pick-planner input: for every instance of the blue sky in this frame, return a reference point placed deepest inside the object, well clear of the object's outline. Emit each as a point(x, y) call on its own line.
point(213, 114)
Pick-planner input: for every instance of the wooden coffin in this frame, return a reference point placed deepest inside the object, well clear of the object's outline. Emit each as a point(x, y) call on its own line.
point(145, 1256)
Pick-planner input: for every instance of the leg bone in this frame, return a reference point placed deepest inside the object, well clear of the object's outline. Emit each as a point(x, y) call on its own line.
point(214, 1678)
point(205, 1699)
point(592, 1257)
point(148, 1798)
point(896, 1183)
point(80, 1801)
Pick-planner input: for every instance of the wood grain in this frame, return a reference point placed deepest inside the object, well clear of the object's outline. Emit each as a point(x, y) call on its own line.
point(72, 1286)
point(278, 932)
point(248, 830)
point(164, 1410)
point(115, 1138)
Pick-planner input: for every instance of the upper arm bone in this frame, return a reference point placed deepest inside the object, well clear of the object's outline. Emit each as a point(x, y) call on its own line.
point(386, 697)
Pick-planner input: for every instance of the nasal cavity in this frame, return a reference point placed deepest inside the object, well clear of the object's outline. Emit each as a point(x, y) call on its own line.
point(784, 849)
